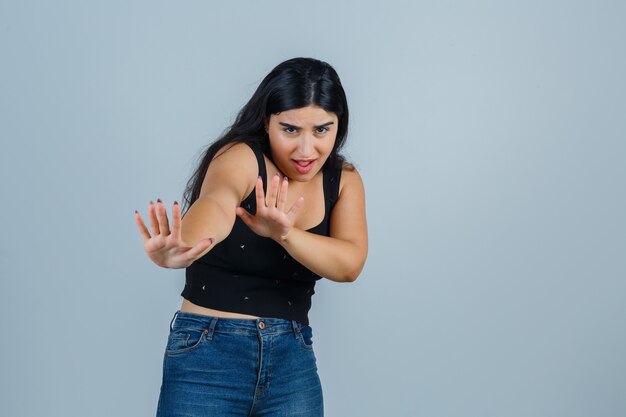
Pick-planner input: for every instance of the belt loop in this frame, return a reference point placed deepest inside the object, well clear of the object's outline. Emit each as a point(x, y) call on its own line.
point(211, 328)
point(173, 320)
point(296, 329)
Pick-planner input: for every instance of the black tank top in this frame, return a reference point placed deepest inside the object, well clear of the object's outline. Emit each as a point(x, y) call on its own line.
point(250, 274)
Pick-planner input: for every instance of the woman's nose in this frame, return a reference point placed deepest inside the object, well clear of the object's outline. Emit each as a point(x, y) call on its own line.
point(306, 145)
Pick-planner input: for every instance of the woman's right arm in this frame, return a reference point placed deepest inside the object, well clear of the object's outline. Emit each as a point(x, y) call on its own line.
point(229, 178)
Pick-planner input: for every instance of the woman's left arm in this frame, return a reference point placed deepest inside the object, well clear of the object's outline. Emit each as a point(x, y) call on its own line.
point(341, 256)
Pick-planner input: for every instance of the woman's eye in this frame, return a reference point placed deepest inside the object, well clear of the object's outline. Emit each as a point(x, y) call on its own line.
point(290, 129)
point(321, 130)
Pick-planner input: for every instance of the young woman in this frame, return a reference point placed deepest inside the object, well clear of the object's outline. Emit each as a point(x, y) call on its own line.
point(272, 208)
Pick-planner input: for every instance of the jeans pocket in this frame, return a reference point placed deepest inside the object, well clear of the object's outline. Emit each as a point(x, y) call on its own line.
point(306, 337)
point(184, 339)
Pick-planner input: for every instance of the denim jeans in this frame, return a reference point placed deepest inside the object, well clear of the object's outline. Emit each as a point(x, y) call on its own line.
point(239, 367)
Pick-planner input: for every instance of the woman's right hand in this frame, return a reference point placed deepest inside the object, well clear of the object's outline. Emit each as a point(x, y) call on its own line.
point(166, 248)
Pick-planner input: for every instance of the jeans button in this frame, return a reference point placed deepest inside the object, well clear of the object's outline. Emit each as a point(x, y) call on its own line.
point(261, 325)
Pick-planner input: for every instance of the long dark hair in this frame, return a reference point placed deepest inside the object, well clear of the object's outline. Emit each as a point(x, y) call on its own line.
point(295, 83)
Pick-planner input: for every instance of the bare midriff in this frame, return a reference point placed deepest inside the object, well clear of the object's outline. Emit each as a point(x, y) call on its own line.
point(190, 307)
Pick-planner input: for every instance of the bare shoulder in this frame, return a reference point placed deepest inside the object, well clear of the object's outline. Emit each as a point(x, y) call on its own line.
point(348, 221)
point(234, 166)
point(235, 152)
point(350, 178)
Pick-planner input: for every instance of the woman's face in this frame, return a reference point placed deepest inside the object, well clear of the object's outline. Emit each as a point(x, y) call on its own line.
point(301, 140)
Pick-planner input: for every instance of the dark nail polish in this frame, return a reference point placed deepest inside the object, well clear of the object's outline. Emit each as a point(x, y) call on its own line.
point(175, 203)
point(151, 203)
point(159, 200)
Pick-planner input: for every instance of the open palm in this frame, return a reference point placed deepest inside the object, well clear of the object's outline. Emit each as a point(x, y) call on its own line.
point(165, 247)
point(271, 220)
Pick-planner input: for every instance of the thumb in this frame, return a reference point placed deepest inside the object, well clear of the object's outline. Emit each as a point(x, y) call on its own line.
point(293, 211)
point(244, 215)
point(200, 247)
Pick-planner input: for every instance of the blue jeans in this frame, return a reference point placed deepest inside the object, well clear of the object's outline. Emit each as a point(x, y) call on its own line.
point(239, 367)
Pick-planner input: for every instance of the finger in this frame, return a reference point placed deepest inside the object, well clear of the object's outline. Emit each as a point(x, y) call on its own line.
point(244, 215)
point(176, 219)
point(161, 213)
point(282, 197)
point(260, 194)
point(143, 230)
point(200, 247)
point(154, 223)
point(293, 211)
point(273, 194)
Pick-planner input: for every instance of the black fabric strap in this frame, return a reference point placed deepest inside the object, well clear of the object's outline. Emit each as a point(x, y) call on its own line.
point(332, 179)
point(261, 164)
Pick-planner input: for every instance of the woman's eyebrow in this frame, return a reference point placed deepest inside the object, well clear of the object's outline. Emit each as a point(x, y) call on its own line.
point(298, 127)
point(288, 125)
point(324, 125)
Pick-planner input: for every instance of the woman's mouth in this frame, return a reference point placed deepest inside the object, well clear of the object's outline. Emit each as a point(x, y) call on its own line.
point(303, 166)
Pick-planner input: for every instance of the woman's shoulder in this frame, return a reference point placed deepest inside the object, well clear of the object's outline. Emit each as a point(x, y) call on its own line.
point(350, 177)
point(232, 158)
point(236, 150)
point(238, 157)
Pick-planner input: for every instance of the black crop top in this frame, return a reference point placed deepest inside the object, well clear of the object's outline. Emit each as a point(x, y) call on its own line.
point(249, 274)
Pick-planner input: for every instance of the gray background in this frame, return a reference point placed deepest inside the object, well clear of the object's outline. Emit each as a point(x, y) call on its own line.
point(491, 139)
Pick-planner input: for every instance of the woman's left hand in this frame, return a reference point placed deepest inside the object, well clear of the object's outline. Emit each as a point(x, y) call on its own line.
point(270, 219)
